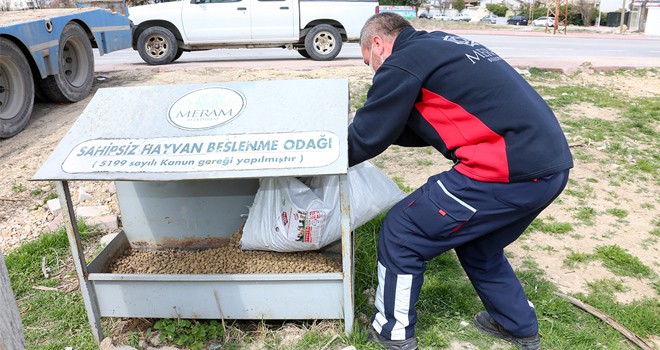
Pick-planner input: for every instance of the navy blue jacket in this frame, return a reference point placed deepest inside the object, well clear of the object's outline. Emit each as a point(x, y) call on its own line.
point(456, 95)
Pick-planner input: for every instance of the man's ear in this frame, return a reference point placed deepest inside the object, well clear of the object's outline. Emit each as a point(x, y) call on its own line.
point(377, 44)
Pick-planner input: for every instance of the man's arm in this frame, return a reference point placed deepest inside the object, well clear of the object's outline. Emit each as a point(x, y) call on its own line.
point(382, 119)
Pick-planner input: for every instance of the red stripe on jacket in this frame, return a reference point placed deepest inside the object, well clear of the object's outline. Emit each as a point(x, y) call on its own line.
point(481, 152)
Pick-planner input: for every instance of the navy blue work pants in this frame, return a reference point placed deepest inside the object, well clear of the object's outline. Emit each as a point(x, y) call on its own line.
point(477, 219)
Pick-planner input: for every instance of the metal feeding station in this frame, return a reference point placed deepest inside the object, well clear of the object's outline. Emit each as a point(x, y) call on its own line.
point(186, 161)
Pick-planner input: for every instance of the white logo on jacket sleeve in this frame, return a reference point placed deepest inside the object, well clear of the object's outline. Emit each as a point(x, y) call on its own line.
point(475, 55)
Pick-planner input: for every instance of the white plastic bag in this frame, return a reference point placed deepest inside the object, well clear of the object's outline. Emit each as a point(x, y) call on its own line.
point(290, 214)
point(371, 191)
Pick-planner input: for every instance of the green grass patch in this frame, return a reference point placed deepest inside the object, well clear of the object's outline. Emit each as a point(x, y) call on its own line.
point(402, 185)
point(550, 226)
point(619, 213)
point(424, 162)
point(615, 259)
point(621, 263)
point(586, 215)
point(360, 96)
point(447, 304)
point(52, 319)
point(581, 192)
point(573, 259)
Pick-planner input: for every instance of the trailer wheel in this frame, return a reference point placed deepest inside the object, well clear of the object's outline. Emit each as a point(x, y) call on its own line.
point(323, 42)
point(76, 67)
point(16, 90)
point(157, 45)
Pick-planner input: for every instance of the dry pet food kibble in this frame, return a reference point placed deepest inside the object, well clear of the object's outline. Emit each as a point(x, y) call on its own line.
point(229, 259)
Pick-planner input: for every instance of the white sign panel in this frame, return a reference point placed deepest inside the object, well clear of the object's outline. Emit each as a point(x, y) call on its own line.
point(205, 153)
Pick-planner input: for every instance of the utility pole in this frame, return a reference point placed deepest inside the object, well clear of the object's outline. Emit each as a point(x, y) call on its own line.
point(560, 16)
point(598, 20)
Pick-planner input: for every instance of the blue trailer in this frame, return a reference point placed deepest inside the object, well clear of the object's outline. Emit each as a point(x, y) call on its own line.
point(47, 54)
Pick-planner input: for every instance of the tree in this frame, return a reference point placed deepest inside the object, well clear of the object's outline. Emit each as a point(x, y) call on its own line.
point(415, 3)
point(586, 10)
point(459, 5)
point(537, 8)
point(498, 10)
point(643, 13)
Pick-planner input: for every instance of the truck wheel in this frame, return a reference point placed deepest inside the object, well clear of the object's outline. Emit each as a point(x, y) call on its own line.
point(178, 54)
point(16, 90)
point(303, 53)
point(157, 45)
point(323, 42)
point(75, 67)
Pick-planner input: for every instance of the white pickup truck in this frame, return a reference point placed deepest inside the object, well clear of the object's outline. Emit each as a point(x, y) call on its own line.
point(315, 28)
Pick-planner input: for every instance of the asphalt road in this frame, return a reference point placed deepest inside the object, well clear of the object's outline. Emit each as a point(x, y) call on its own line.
point(537, 49)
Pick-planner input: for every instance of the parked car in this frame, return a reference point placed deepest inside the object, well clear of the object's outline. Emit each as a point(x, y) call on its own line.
point(461, 17)
point(542, 21)
point(488, 19)
point(518, 20)
point(425, 15)
point(442, 17)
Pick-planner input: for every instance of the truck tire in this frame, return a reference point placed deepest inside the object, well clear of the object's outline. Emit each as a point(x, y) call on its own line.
point(303, 53)
point(157, 45)
point(16, 90)
point(178, 54)
point(323, 42)
point(75, 67)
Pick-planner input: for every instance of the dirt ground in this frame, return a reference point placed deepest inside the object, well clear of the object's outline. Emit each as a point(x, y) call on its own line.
point(23, 215)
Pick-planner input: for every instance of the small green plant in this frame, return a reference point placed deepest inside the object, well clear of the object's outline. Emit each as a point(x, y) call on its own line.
point(37, 192)
point(619, 213)
point(592, 180)
point(648, 206)
point(648, 242)
point(424, 162)
point(133, 339)
point(192, 334)
point(550, 249)
point(50, 196)
point(586, 215)
point(18, 188)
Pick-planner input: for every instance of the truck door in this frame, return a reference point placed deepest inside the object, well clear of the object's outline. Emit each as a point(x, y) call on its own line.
point(210, 21)
point(274, 19)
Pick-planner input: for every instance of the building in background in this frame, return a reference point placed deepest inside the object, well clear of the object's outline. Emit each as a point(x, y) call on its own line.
point(14, 5)
point(405, 11)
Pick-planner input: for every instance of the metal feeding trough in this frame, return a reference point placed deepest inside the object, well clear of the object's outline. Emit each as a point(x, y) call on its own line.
point(186, 160)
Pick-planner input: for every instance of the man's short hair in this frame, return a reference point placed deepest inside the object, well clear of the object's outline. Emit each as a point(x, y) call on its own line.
point(387, 24)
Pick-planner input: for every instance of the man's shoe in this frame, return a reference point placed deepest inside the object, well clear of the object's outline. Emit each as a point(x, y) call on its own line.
point(408, 344)
point(486, 324)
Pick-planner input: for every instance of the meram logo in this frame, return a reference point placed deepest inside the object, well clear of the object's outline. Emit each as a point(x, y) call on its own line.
point(206, 108)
